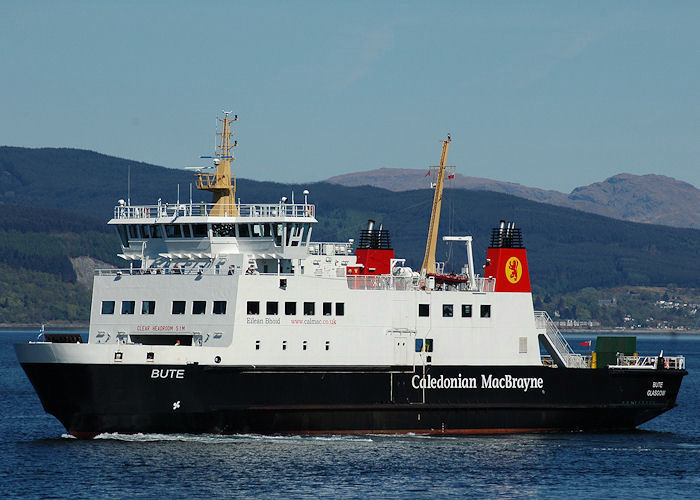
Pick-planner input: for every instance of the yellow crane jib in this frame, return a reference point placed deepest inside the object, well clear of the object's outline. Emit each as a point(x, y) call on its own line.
point(428, 266)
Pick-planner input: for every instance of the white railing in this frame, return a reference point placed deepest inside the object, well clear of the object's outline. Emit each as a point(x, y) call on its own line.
point(389, 282)
point(205, 209)
point(206, 271)
point(567, 354)
point(330, 248)
point(381, 282)
point(650, 362)
point(155, 271)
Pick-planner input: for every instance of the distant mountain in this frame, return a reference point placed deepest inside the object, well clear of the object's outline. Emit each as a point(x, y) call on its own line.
point(653, 199)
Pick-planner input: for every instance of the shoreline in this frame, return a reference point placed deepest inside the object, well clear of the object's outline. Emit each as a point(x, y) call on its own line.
point(58, 325)
point(628, 331)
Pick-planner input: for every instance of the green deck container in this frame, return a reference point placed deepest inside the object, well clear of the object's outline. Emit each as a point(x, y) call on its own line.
point(606, 349)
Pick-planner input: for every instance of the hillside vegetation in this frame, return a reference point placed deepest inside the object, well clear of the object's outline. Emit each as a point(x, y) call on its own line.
point(55, 204)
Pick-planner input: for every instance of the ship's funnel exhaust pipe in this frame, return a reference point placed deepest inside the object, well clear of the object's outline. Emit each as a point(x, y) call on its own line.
point(370, 225)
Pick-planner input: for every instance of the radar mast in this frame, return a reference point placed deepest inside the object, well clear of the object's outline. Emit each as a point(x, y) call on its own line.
point(219, 183)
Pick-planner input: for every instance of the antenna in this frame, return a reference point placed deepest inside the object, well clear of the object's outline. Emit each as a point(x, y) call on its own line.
point(128, 186)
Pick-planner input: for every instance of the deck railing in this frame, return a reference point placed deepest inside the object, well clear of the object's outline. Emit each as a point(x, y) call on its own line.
point(651, 362)
point(388, 282)
point(165, 210)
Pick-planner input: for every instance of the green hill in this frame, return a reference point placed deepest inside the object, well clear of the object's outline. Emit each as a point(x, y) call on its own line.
point(55, 202)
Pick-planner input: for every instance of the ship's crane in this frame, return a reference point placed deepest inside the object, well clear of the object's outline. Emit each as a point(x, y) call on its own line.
point(428, 266)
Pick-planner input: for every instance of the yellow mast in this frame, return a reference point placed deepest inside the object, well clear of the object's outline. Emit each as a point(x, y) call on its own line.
point(428, 266)
point(219, 183)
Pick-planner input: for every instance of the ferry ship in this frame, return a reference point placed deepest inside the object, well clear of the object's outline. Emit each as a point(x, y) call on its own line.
point(229, 318)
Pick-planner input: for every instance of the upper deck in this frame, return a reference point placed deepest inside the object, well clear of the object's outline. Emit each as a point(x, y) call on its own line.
point(269, 211)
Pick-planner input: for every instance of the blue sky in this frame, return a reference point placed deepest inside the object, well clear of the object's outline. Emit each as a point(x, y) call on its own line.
point(547, 94)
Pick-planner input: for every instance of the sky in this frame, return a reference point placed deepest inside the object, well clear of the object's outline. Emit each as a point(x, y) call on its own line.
point(552, 95)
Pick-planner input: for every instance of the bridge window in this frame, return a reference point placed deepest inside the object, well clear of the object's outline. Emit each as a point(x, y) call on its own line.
point(173, 231)
point(121, 229)
point(128, 306)
point(134, 231)
point(107, 307)
point(309, 308)
point(290, 308)
point(339, 308)
point(306, 231)
point(178, 307)
point(199, 230)
point(447, 310)
point(243, 231)
point(152, 231)
point(424, 310)
point(223, 230)
point(148, 307)
point(257, 230)
point(277, 231)
point(253, 307)
point(466, 310)
point(327, 308)
point(219, 307)
point(485, 311)
point(186, 231)
point(272, 308)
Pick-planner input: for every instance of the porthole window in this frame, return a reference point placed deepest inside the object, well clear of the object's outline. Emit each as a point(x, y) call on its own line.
point(219, 307)
point(199, 307)
point(107, 307)
point(128, 306)
point(178, 307)
point(148, 307)
point(327, 308)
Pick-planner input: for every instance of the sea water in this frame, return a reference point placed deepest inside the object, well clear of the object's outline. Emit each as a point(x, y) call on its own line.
point(660, 460)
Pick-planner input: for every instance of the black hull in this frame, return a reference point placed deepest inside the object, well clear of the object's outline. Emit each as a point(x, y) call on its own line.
point(92, 399)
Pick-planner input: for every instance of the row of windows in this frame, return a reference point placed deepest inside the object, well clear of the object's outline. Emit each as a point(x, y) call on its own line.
point(304, 345)
point(149, 307)
point(448, 310)
point(290, 308)
point(149, 231)
point(219, 307)
point(272, 308)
